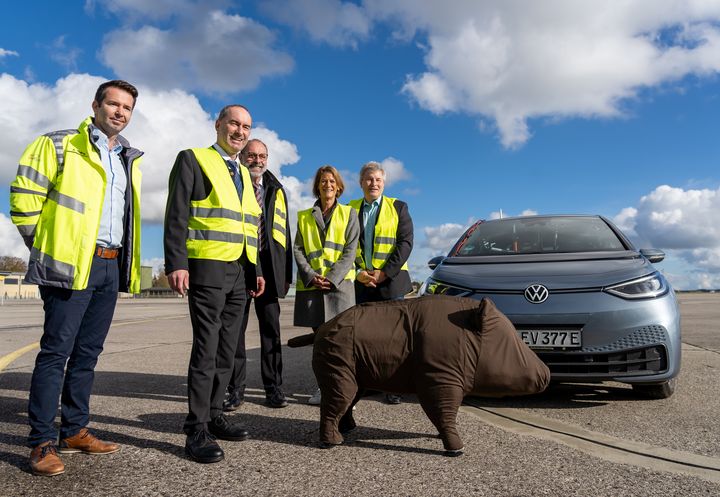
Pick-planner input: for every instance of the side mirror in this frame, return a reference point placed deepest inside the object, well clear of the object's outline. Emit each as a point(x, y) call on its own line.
point(653, 255)
point(435, 261)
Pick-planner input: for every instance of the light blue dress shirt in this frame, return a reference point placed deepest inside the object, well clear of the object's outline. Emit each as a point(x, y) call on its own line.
point(113, 210)
point(370, 214)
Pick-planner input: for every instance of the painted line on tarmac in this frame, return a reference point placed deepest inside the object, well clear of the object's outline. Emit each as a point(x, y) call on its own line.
point(596, 444)
point(6, 360)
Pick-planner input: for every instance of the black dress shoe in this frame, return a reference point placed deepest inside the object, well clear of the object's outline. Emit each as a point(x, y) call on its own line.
point(276, 399)
point(223, 429)
point(393, 399)
point(234, 400)
point(201, 447)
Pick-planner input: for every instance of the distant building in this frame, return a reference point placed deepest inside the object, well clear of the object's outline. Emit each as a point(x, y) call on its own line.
point(12, 287)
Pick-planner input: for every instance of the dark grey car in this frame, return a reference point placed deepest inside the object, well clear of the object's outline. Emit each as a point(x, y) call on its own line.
point(581, 296)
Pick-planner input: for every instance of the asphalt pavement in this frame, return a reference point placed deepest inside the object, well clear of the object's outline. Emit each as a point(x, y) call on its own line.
point(583, 440)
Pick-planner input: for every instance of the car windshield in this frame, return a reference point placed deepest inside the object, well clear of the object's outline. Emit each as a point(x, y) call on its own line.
point(540, 235)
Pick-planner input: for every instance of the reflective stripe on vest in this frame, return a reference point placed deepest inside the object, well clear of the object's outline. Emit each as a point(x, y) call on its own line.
point(385, 234)
point(220, 226)
point(323, 256)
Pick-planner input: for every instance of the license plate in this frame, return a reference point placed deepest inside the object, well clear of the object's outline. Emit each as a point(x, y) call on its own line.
point(551, 338)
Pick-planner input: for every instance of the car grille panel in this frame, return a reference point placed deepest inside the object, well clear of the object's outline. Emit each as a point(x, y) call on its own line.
point(637, 338)
point(638, 353)
point(642, 361)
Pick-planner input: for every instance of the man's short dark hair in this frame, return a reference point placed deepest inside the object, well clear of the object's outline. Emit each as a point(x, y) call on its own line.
point(224, 111)
point(115, 83)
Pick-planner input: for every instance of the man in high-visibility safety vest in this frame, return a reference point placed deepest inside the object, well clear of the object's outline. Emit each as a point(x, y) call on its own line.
point(211, 245)
point(76, 202)
point(275, 252)
point(386, 240)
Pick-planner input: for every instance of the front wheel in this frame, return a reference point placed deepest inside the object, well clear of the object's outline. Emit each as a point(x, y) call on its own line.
point(656, 390)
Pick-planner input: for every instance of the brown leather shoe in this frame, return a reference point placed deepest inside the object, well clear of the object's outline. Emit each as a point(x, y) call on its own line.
point(86, 442)
point(44, 460)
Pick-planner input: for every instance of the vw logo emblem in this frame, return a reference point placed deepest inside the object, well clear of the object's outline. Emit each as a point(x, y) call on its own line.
point(536, 294)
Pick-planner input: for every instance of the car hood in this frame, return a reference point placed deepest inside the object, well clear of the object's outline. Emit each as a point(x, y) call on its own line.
point(555, 271)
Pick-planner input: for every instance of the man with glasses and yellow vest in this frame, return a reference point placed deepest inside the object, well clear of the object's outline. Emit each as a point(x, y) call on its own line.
point(76, 202)
point(386, 240)
point(211, 246)
point(275, 252)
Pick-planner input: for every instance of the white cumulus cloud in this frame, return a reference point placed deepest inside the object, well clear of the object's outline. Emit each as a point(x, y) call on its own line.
point(394, 171)
point(684, 223)
point(203, 50)
point(440, 239)
point(332, 21)
point(11, 242)
point(509, 62)
point(6, 53)
point(515, 61)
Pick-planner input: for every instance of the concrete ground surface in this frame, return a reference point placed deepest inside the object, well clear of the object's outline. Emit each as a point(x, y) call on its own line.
point(583, 440)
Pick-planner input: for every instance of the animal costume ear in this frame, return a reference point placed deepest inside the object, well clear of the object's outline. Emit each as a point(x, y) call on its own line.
point(467, 319)
point(484, 316)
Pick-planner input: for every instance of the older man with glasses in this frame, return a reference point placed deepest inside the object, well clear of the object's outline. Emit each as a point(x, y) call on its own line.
point(275, 253)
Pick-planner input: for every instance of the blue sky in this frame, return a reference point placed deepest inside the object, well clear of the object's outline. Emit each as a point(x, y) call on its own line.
point(566, 106)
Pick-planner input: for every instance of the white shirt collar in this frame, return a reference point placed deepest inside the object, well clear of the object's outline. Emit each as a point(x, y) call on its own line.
point(224, 154)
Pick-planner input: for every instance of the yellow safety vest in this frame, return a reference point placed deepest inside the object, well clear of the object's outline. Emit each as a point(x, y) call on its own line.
point(57, 198)
point(385, 235)
point(280, 219)
point(220, 226)
point(323, 256)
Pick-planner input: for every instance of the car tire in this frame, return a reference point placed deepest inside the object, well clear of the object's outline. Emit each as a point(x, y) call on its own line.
point(656, 390)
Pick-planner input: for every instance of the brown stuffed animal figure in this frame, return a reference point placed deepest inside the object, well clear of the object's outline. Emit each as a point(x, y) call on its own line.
point(438, 347)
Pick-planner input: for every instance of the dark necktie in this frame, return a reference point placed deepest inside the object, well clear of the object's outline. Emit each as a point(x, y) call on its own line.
point(236, 177)
point(261, 220)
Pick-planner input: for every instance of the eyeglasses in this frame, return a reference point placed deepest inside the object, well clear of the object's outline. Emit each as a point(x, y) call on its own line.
point(256, 156)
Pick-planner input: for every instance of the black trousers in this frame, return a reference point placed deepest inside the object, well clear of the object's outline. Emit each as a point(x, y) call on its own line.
point(267, 310)
point(216, 315)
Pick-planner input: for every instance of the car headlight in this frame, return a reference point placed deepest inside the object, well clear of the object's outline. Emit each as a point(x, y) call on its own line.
point(647, 287)
point(433, 287)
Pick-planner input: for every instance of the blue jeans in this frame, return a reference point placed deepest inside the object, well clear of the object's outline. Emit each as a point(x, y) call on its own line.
point(76, 324)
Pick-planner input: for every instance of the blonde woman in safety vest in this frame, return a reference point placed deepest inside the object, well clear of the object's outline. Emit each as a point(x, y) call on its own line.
point(324, 250)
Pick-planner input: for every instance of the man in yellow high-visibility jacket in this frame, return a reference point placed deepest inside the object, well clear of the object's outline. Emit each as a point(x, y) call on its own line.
point(76, 202)
point(386, 240)
point(211, 242)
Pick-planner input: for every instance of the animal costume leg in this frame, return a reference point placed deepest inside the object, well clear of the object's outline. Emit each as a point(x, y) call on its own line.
point(347, 422)
point(441, 404)
point(334, 368)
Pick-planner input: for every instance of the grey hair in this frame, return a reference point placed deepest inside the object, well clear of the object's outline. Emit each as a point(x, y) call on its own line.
point(371, 167)
point(255, 140)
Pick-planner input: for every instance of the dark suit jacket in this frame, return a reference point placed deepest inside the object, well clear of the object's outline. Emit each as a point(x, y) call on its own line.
point(398, 280)
point(276, 260)
point(188, 182)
